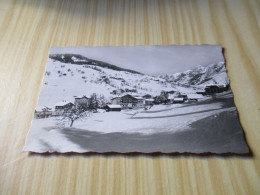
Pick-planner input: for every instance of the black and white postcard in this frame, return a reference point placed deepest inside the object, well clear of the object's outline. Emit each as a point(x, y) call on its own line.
point(147, 99)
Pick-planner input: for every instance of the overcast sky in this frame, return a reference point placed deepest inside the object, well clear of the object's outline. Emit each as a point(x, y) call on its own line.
point(152, 60)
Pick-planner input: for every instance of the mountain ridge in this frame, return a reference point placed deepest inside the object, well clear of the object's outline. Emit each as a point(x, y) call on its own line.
point(82, 60)
point(200, 75)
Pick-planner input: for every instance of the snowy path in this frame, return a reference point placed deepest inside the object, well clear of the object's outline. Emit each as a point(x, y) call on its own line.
point(179, 111)
point(182, 114)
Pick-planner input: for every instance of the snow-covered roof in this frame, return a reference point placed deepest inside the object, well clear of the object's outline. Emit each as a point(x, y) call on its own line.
point(62, 103)
point(82, 96)
point(132, 94)
point(178, 99)
point(116, 97)
point(113, 106)
point(149, 100)
point(195, 96)
point(217, 84)
point(40, 108)
point(139, 98)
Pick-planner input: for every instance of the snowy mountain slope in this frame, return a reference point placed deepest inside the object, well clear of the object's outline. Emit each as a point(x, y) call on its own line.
point(200, 75)
point(64, 81)
point(67, 79)
point(81, 60)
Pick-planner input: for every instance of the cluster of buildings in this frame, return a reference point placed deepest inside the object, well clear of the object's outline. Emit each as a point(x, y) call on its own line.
point(214, 88)
point(132, 100)
point(43, 112)
point(129, 99)
point(135, 101)
point(124, 101)
point(60, 107)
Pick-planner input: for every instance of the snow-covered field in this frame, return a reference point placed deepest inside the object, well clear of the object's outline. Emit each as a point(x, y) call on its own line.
point(171, 120)
point(130, 130)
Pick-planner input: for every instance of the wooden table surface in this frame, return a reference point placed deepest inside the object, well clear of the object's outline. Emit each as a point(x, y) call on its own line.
point(28, 28)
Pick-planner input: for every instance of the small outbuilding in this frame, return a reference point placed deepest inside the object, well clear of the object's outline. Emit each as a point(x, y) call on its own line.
point(195, 97)
point(113, 107)
point(149, 101)
point(178, 100)
point(61, 107)
point(43, 112)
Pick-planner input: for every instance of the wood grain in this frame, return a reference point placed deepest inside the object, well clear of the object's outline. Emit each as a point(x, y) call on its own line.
point(28, 28)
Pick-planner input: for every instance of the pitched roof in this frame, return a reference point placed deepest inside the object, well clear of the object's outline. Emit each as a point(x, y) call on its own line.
point(195, 96)
point(113, 106)
point(116, 97)
point(62, 103)
point(139, 98)
point(216, 85)
point(83, 96)
point(128, 95)
point(178, 99)
point(41, 108)
point(149, 100)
